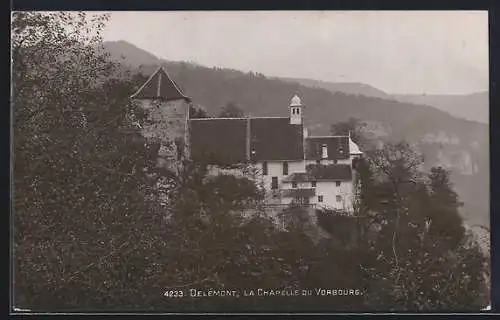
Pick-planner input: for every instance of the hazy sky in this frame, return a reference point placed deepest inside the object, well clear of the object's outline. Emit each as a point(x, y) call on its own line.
point(399, 52)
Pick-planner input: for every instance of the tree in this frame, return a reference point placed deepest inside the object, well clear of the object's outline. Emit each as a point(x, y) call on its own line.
point(197, 112)
point(414, 264)
point(352, 126)
point(231, 110)
point(78, 241)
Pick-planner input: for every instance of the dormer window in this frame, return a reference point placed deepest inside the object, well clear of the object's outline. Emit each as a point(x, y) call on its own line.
point(324, 152)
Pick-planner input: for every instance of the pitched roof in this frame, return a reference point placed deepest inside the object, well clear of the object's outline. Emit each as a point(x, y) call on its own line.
point(337, 146)
point(353, 147)
point(160, 86)
point(330, 172)
point(218, 141)
point(236, 140)
point(298, 177)
point(316, 172)
point(275, 139)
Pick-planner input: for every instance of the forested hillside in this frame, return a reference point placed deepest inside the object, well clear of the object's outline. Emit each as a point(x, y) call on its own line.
point(457, 144)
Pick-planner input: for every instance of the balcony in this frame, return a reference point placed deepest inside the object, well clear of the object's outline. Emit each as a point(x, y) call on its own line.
point(299, 192)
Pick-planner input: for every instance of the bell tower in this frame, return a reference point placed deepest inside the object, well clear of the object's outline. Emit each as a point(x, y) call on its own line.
point(296, 109)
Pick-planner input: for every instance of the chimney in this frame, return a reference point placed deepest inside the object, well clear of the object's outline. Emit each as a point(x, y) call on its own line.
point(306, 132)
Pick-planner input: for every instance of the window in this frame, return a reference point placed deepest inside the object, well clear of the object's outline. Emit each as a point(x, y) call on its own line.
point(337, 183)
point(313, 184)
point(335, 161)
point(264, 168)
point(338, 198)
point(285, 168)
point(294, 184)
point(274, 183)
point(298, 111)
point(318, 161)
point(320, 198)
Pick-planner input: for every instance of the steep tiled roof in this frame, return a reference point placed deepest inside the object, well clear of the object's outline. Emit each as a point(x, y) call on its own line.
point(298, 177)
point(159, 86)
point(242, 139)
point(317, 172)
point(276, 139)
point(330, 172)
point(218, 140)
point(337, 146)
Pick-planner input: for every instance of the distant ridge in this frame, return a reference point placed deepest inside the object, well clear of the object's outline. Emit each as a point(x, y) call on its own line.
point(345, 87)
point(130, 54)
point(474, 106)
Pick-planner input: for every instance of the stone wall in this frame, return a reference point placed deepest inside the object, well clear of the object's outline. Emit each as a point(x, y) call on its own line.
point(167, 123)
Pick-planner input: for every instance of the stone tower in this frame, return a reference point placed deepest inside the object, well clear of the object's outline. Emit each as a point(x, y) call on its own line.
point(168, 113)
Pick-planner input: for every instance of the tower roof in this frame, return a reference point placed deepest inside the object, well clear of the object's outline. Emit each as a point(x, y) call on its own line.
point(296, 102)
point(159, 86)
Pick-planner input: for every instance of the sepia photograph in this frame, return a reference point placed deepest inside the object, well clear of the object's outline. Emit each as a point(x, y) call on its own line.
point(250, 161)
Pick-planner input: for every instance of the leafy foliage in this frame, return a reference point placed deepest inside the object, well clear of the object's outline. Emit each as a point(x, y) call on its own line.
point(197, 112)
point(420, 239)
point(352, 127)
